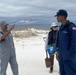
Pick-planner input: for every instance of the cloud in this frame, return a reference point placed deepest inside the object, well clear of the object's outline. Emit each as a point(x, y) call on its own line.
point(34, 7)
point(41, 11)
point(27, 21)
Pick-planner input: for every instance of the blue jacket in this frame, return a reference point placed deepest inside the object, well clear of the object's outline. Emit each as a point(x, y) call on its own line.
point(67, 41)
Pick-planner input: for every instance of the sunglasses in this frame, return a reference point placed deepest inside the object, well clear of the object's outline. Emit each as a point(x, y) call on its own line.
point(55, 26)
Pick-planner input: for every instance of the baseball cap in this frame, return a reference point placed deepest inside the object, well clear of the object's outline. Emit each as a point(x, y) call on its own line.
point(54, 24)
point(4, 23)
point(62, 12)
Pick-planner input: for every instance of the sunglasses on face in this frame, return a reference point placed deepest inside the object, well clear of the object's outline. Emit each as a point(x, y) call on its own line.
point(55, 26)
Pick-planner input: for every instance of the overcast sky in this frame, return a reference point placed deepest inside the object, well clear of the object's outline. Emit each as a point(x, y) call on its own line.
point(35, 7)
point(43, 9)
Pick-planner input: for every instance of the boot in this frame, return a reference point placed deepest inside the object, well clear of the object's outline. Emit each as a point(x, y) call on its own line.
point(51, 70)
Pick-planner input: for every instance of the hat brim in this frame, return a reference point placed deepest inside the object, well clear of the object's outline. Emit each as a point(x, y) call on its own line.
point(55, 15)
point(5, 24)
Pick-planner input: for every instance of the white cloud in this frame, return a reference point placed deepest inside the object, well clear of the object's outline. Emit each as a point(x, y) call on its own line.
point(27, 21)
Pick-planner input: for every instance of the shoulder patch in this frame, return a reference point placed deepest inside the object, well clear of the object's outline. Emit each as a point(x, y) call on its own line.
point(74, 28)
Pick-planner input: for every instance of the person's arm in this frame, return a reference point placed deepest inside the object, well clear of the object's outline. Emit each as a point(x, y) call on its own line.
point(57, 52)
point(13, 44)
point(57, 41)
point(7, 33)
point(12, 41)
point(46, 43)
point(72, 47)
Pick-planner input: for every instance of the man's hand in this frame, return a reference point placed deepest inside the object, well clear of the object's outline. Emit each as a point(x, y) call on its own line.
point(11, 28)
point(7, 33)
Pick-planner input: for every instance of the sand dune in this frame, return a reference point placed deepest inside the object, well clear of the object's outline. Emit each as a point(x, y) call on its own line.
point(28, 32)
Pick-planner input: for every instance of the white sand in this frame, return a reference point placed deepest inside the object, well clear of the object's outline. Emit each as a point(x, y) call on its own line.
point(30, 56)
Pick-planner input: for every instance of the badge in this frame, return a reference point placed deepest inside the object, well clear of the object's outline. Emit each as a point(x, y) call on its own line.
point(74, 28)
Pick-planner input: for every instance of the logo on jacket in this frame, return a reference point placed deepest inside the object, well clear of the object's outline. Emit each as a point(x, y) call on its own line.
point(65, 32)
point(74, 28)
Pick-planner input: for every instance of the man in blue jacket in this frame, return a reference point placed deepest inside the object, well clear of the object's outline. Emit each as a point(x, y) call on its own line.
point(67, 44)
